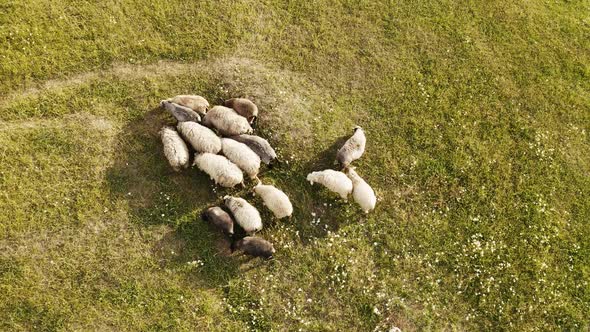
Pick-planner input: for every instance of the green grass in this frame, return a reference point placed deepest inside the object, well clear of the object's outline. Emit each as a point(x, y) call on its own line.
point(477, 116)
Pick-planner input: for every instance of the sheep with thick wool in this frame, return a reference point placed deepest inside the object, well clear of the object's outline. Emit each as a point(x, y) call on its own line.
point(353, 148)
point(336, 181)
point(175, 149)
point(220, 169)
point(259, 145)
point(243, 107)
point(246, 215)
point(362, 193)
point(275, 200)
point(241, 155)
point(194, 102)
point(200, 137)
point(227, 121)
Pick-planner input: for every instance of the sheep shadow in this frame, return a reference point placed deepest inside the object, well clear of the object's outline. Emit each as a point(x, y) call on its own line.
point(327, 158)
point(141, 179)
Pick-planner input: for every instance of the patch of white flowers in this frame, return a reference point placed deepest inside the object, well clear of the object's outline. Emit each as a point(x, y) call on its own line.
point(195, 264)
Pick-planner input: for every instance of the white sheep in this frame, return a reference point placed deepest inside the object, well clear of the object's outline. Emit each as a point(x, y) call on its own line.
point(259, 145)
point(362, 193)
point(243, 107)
point(227, 121)
point(353, 148)
point(275, 200)
point(241, 155)
point(175, 149)
point(244, 213)
point(181, 113)
point(194, 102)
point(219, 168)
point(336, 181)
point(200, 137)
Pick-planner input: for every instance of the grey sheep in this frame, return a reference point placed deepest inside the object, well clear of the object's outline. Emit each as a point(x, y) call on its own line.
point(181, 113)
point(259, 145)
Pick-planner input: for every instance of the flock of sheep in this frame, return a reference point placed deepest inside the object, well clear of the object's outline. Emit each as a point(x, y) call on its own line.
point(241, 153)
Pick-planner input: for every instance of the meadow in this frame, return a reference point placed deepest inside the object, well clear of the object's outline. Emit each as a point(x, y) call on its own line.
point(477, 116)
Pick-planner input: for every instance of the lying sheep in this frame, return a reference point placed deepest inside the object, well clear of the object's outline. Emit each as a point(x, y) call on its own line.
point(181, 113)
point(220, 219)
point(227, 121)
point(254, 246)
point(353, 149)
point(275, 200)
point(200, 137)
point(220, 169)
point(336, 181)
point(243, 107)
point(244, 213)
point(196, 103)
point(241, 155)
point(362, 193)
point(175, 149)
point(259, 145)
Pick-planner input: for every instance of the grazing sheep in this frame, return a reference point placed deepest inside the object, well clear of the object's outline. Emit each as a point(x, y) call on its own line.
point(243, 107)
point(335, 181)
point(175, 149)
point(241, 155)
point(181, 113)
point(275, 200)
point(227, 121)
point(220, 169)
point(200, 137)
point(244, 213)
point(196, 103)
point(353, 149)
point(219, 219)
point(259, 145)
point(254, 246)
point(362, 193)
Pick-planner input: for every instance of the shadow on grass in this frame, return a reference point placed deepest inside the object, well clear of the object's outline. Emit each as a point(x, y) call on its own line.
point(141, 179)
point(326, 159)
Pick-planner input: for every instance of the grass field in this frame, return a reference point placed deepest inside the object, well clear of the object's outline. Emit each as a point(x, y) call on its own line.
point(477, 115)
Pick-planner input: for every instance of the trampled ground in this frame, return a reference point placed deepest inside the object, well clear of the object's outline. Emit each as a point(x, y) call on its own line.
point(477, 116)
